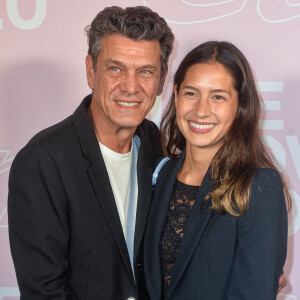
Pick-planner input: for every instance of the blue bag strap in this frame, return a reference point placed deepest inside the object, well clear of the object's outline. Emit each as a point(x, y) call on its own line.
point(158, 168)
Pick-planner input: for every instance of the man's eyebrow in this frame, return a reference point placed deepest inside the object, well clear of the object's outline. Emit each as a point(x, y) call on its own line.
point(115, 62)
point(149, 66)
point(119, 63)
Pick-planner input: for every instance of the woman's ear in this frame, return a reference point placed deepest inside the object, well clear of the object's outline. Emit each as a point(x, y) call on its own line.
point(175, 94)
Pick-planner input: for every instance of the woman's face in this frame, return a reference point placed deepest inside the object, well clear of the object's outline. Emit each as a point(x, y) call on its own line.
point(206, 105)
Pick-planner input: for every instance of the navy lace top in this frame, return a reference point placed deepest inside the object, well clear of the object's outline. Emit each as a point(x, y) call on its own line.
point(181, 203)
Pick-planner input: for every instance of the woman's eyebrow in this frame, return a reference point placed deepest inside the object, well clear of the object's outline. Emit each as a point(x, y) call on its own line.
point(190, 88)
point(219, 91)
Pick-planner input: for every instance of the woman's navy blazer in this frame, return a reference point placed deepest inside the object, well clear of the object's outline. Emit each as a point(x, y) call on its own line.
point(221, 256)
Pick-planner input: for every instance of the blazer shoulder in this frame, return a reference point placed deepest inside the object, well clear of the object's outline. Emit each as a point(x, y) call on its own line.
point(267, 189)
point(64, 132)
point(265, 178)
point(48, 142)
point(149, 135)
point(57, 142)
point(266, 174)
point(148, 129)
point(53, 134)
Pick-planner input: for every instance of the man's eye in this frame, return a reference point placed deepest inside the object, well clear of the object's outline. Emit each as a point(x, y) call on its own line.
point(145, 72)
point(115, 69)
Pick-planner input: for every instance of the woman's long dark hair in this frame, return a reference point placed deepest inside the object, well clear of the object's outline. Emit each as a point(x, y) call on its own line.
point(243, 150)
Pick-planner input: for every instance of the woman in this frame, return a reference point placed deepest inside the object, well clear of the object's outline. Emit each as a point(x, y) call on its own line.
point(217, 228)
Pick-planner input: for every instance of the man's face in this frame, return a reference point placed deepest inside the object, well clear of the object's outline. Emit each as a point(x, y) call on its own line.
point(125, 83)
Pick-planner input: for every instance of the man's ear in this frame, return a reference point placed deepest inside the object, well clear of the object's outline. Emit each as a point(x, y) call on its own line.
point(161, 82)
point(90, 73)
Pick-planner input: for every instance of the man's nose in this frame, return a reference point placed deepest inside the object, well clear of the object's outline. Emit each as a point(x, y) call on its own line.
point(130, 83)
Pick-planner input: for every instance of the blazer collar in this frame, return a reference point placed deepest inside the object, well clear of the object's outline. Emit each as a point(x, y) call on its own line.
point(144, 175)
point(85, 131)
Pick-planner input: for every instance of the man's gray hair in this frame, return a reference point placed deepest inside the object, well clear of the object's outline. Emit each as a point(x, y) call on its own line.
point(137, 23)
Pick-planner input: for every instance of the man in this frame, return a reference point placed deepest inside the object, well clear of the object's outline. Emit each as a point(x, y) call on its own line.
point(79, 191)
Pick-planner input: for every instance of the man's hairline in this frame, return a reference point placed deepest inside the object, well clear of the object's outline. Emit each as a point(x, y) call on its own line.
point(162, 72)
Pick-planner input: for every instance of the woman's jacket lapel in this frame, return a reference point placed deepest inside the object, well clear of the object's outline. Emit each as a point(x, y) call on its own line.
point(160, 203)
point(194, 230)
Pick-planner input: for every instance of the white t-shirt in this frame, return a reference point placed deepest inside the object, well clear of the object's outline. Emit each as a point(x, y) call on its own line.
point(118, 166)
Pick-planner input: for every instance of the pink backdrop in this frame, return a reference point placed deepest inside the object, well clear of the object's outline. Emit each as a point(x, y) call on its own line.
point(42, 80)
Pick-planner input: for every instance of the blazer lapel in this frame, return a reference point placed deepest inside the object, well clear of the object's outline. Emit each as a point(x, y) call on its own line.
point(147, 158)
point(144, 174)
point(194, 230)
point(100, 179)
point(163, 190)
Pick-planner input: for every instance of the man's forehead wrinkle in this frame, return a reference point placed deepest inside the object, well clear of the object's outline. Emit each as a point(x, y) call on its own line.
point(114, 61)
point(127, 53)
point(131, 47)
point(130, 54)
point(130, 63)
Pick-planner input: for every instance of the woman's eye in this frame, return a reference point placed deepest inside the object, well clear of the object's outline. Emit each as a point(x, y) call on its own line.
point(191, 94)
point(218, 97)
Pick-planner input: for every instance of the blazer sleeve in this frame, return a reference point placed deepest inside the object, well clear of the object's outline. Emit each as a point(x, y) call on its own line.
point(261, 241)
point(38, 225)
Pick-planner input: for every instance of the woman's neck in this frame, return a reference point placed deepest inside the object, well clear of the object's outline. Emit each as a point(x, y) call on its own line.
point(195, 165)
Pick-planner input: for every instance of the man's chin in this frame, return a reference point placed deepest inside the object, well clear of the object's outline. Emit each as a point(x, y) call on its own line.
point(129, 125)
point(129, 122)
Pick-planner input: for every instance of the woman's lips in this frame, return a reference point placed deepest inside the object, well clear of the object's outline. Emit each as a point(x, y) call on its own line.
point(201, 127)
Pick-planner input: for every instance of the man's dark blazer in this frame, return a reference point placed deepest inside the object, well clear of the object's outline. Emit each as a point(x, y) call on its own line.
point(65, 233)
point(220, 256)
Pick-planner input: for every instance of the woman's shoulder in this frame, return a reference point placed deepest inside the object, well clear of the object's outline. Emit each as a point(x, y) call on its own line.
point(267, 188)
point(266, 177)
point(266, 173)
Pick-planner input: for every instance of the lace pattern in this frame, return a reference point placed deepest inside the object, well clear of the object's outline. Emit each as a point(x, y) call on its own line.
point(181, 203)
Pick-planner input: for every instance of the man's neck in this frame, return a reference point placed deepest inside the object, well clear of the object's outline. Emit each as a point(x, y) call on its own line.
point(117, 143)
point(116, 140)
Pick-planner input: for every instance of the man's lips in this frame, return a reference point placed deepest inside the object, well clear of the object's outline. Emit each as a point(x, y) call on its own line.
point(127, 103)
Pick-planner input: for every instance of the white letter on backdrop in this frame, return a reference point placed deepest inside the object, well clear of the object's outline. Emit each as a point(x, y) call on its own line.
point(294, 148)
point(277, 150)
point(36, 21)
point(295, 224)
